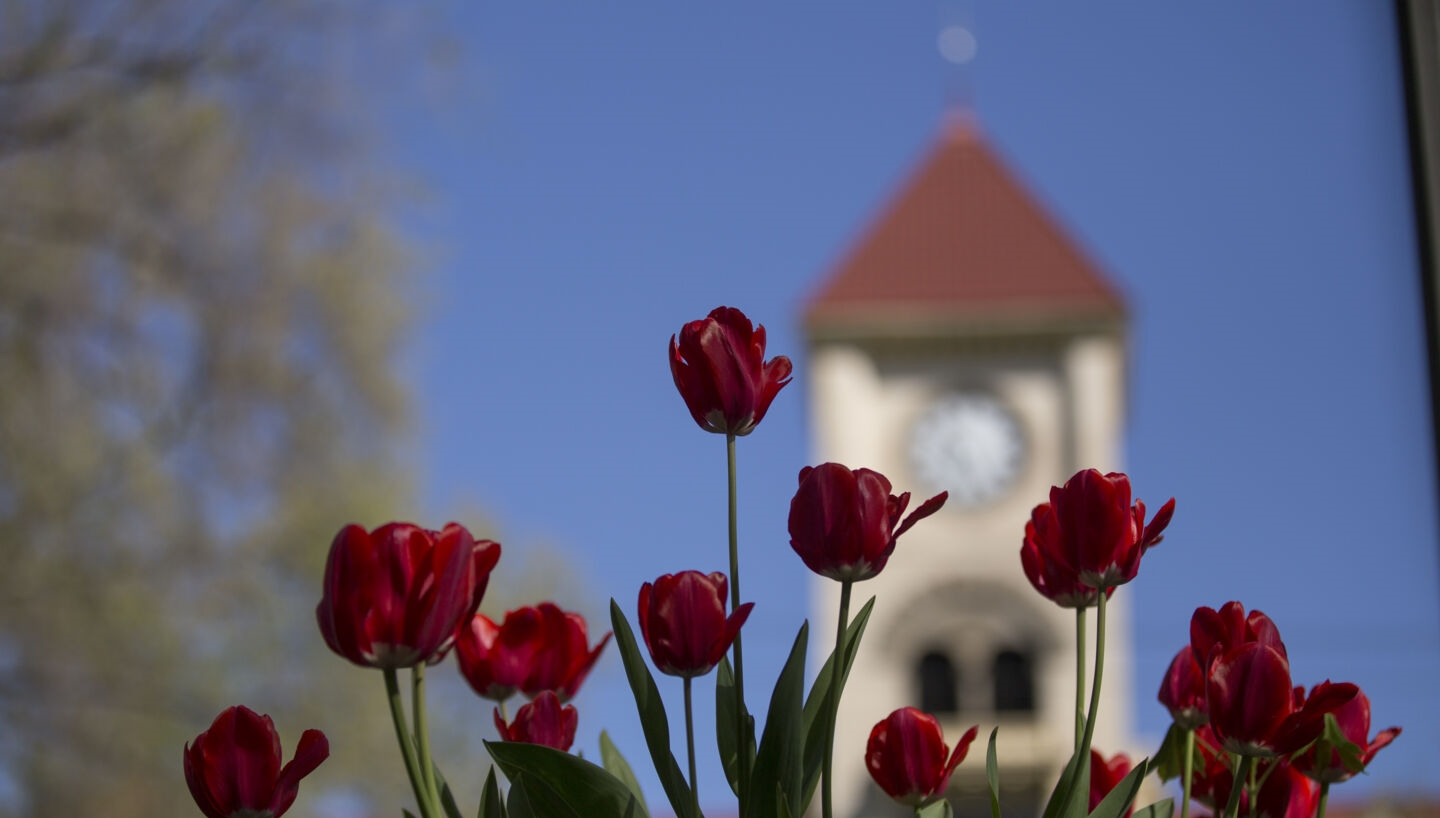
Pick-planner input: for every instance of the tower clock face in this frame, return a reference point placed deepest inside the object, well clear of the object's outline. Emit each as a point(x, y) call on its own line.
point(970, 445)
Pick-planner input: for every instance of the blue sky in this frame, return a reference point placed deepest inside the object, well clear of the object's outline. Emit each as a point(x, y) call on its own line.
point(601, 176)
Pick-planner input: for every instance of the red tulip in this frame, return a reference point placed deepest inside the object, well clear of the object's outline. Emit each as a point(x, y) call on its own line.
point(1182, 691)
point(1254, 710)
point(907, 756)
point(1285, 793)
point(1054, 581)
point(536, 649)
point(233, 769)
point(1106, 776)
point(543, 721)
point(1093, 531)
point(1353, 719)
point(1213, 632)
point(395, 596)
point(682, 618)
point(844, 523)
point(720, 369)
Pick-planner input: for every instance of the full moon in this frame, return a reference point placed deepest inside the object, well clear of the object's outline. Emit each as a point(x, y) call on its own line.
point(957, 44)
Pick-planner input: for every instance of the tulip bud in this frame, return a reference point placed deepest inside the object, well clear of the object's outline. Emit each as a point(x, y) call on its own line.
point(543, 721)
point(844, 523)
point(907, 756)
point(720, 369)
point(233, 769)
point(682, 618)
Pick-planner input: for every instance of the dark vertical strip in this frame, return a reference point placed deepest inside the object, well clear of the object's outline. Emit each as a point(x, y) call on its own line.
point(1419, 33)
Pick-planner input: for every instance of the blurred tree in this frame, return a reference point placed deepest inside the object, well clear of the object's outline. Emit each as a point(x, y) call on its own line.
point(200, 301)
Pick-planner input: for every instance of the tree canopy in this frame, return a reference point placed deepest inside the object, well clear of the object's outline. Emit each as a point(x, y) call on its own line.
point(201, 295)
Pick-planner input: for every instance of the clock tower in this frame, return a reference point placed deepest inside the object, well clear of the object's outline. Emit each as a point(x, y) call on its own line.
point(966, 344)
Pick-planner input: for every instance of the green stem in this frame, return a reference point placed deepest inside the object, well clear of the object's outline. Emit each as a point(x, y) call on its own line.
point(422, 732)
point(1324, 796)
point(690, 747)
point(1083, 751)
point(504, 712)
point(1242, 772)
point(402, 734)
point(1189, 771)
point(742, 724)
point(836, 680)
point(1251, 790)
point(1079, 674)
point(1099, 674)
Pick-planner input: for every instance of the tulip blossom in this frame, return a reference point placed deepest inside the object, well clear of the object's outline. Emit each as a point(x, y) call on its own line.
point(1182, 691)
point(1053, 580)
point(1285, 793)
point(543, 721)
point(682, 618)
point(536, 649)
point(1094, 533)
point(908, 758)
point(720, 369)
point(1353, 719)
point(1214, 632)
point(1106, 776)
point(394, 597)
point(233, 769)
point(844, 523)
point(1254, 711)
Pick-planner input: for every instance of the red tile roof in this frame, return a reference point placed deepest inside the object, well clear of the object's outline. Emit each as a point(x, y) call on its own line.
point(963, 246)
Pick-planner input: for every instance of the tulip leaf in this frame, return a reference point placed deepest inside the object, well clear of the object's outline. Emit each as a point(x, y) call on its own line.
point(617, 766)
point(777, 777)
point(1071, 795)
point(652, 716)
point(559, 784)
point(491, 805)
point(1333, 742)
point(1119, 799)
point(992, 774)
point(725, 724)
point(1159, 809)
point(447, 798)
point(1169, 761)
point(518, 805)
point(819, 707)
point(405, 813)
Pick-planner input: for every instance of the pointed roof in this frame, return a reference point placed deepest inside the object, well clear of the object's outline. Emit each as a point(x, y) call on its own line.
point(963, 248)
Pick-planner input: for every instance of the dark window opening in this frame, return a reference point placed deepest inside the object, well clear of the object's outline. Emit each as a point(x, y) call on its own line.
point(939, 684)
point(1014, 682)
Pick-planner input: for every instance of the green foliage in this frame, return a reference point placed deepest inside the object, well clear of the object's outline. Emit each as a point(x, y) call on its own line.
point(1333, 741)
point(491, 804)
point(1119, 799)
point(992, 774)
point(726, 725)
point(652, 716)
point(1159, 809)
point(559, 785)
point(1169, 760)
point(201, 299)
point(819, 707)
point(1071, 795)
point(776, 781)
point(617, 766)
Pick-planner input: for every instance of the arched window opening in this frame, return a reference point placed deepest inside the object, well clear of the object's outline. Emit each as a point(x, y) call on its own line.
point(1014, 682)
point(939, 684)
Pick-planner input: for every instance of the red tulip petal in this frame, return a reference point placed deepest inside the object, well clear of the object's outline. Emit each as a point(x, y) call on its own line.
point(925, 510)
point(961, 748)
point(313, 749)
